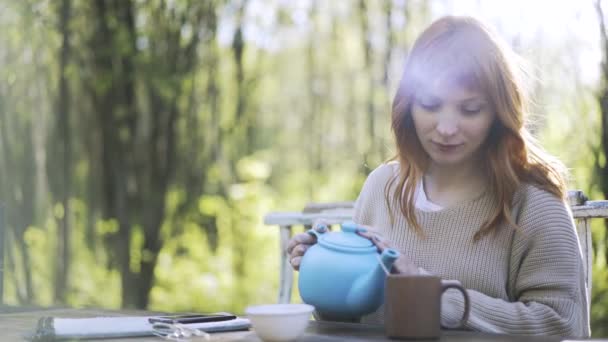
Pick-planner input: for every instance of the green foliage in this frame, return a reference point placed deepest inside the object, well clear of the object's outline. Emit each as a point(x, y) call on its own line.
point(599, 296)
point(242, 269)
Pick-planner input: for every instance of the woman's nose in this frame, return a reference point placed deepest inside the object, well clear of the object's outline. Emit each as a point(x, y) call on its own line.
point(447, 126)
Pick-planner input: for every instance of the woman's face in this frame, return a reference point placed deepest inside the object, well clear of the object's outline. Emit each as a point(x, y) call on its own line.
point(452, 123)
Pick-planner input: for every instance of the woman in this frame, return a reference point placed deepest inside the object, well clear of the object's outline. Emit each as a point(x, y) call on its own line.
point(469, 195)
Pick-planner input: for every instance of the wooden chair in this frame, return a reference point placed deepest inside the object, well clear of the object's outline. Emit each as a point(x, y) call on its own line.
point(582, 209)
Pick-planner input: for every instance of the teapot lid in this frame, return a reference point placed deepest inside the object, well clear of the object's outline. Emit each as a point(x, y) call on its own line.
point(347, 238)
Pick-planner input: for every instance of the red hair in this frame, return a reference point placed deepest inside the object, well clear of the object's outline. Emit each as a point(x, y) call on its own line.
point(462, 51)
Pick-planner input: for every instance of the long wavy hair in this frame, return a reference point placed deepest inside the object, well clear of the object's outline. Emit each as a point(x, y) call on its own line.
point(461, 51)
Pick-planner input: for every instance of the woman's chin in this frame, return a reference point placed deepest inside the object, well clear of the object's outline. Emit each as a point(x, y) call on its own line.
point(450, 161)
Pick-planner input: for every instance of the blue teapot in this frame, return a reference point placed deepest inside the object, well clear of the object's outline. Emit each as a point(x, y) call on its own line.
point(342, 275)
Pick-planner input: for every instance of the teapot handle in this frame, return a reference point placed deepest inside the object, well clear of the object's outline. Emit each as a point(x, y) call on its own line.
point(316, 233)
point(319, 231)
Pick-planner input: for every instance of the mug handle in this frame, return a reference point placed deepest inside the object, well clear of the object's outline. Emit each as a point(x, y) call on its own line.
point(455, 284)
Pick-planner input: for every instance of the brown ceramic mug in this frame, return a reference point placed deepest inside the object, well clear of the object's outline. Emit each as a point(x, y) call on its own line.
point(412, 305)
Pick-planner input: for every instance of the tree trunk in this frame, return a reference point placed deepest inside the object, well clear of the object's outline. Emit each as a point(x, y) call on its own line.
point(138, 148)
point(115, 112)
point(240, 116)
point(26, 205)
point(63, 241)
point(390, 40)
point(313, 98)
point(370, 150)
point(603, 102)
point(19, 190)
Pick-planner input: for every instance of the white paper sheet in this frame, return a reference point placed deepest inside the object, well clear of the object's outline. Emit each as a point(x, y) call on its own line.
point(96, 327)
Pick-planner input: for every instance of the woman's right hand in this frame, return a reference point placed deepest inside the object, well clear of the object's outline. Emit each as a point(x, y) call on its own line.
point(300, 243)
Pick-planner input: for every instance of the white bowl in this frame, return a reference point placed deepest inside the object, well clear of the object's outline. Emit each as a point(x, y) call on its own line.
point(279, 322)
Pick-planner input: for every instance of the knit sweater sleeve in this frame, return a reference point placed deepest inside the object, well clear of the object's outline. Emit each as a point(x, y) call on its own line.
point(546, 287)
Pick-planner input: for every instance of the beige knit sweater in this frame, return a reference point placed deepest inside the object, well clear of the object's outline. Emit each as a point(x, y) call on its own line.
point(526, 281)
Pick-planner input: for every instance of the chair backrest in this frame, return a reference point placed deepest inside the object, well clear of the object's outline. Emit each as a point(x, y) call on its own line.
point(582, 210)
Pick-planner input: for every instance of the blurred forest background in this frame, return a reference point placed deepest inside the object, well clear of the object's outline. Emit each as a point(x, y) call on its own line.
point(142, 141)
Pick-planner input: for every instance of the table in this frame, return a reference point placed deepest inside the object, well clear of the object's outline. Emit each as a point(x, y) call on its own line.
point(15, 324)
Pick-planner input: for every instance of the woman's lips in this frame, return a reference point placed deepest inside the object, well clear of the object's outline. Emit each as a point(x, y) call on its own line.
point(446, 147)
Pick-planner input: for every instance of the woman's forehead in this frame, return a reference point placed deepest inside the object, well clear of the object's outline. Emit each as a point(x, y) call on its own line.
point(448, 88)
point(449, 65)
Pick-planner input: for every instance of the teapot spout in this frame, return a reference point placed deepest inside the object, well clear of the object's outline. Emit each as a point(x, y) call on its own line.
point(387, 259)
point(367, 291)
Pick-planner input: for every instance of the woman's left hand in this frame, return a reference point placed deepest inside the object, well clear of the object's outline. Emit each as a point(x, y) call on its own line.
point(403, 265)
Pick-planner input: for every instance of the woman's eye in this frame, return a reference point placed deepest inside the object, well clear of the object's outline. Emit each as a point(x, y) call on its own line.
point(472, 109)
point(429, 105)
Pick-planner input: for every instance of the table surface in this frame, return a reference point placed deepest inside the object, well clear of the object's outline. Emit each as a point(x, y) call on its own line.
point(15, 324)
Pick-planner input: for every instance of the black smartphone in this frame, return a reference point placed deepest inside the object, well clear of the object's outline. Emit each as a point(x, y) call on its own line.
point(192, 318)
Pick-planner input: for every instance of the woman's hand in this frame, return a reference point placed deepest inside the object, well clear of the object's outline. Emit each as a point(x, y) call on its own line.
point(403, 265)
point(300, 243)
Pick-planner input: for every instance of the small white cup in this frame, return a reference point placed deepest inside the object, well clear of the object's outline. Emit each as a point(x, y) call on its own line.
point(279, 322)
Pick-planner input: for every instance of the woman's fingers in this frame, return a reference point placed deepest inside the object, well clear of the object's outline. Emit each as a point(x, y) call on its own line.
point(367, 234)
point(299, 244)
point(382, 245)
point(299, 250)
point(295, 262)
point(377, 239)
point(402, 265)
point(303, 238)
point(405, 266)
point(364, 228)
